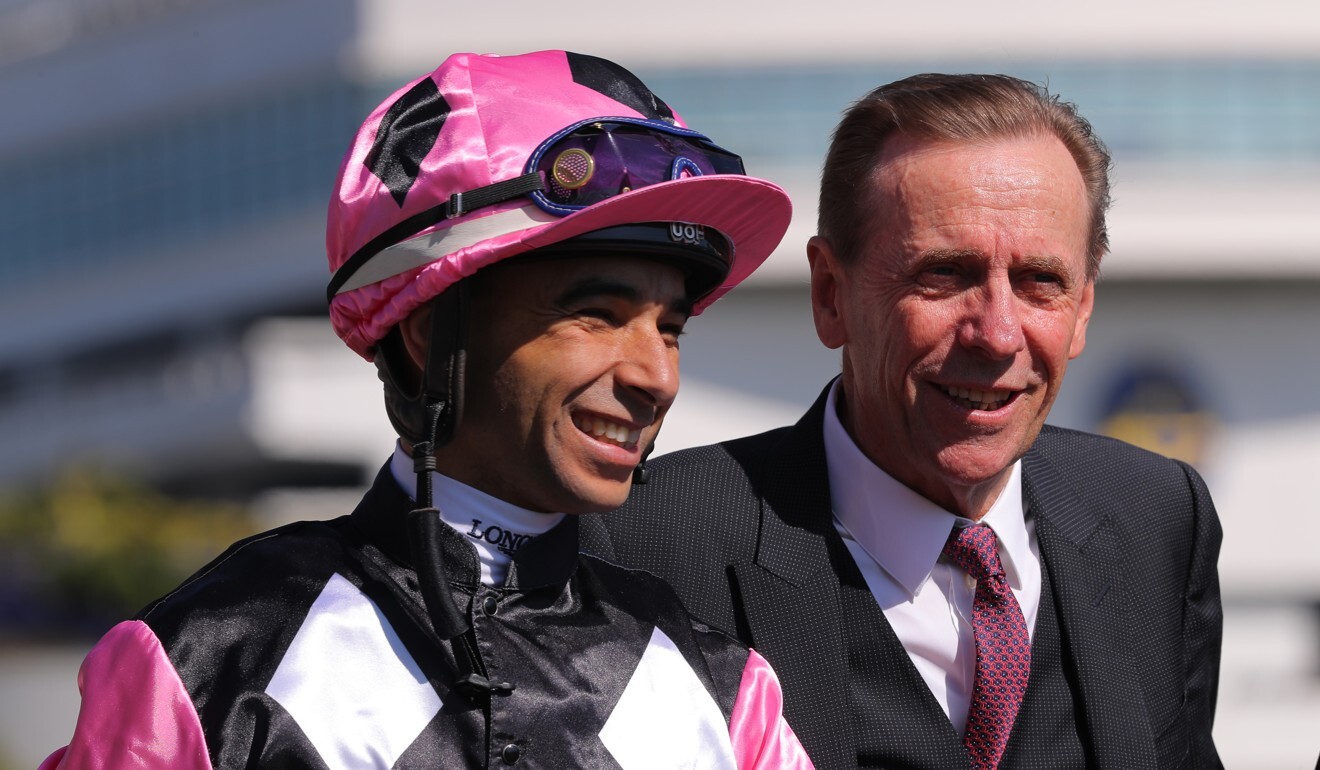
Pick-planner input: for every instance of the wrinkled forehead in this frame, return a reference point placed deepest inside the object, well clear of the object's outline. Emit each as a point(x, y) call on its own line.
point(1040, 160)
point(1026, 190)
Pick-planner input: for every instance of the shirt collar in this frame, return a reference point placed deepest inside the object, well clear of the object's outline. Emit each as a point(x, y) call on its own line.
point(548, 558)
point(898, 528)
point(458, 501)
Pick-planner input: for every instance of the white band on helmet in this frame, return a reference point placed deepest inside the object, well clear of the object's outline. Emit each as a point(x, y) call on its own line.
point(429, 247)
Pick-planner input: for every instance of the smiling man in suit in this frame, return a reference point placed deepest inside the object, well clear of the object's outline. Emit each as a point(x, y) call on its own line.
point(941, 580)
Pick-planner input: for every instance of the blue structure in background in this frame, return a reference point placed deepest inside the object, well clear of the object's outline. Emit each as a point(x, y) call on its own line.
point(229, 164)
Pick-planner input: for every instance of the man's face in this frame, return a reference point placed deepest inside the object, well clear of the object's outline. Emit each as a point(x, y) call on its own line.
point(572, 364)
point(958, 319)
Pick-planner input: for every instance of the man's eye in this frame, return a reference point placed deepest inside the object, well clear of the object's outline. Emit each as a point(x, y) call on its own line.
point(940, 275)
point(1043, 283)
point(599, 313)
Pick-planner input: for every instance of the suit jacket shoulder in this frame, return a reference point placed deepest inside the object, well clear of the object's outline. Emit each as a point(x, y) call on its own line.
point(1079, 481)
point(1131, 541)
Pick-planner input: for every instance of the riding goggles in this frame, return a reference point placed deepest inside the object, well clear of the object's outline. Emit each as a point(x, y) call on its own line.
point(593, 160)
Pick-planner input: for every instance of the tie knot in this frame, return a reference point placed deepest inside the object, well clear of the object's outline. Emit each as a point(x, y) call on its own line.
point(975, 550)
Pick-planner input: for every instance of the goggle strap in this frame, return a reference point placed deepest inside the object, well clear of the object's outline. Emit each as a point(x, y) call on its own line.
point(467, 202)
point(458, 204)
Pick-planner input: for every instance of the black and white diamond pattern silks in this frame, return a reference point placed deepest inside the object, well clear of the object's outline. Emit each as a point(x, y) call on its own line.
point(310, 647)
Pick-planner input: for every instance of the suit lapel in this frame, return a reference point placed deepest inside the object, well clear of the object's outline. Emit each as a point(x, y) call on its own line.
point(794, 584)
point(1084, 558)
point(790, 587)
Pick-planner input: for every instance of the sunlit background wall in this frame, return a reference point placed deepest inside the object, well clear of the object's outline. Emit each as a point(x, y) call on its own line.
point(168, 380)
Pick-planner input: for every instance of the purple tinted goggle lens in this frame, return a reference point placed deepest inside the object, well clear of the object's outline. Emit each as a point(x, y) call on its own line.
point(598, 159)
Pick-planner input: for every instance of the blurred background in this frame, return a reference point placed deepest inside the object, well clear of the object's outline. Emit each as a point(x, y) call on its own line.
point(168, 381)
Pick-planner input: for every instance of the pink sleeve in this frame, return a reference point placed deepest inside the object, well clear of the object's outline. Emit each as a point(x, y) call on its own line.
point(762, 740)
point(136, 714)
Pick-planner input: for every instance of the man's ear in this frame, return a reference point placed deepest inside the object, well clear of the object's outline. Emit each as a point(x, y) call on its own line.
point(827, 282)
point(1085, 306)
point(416, 333)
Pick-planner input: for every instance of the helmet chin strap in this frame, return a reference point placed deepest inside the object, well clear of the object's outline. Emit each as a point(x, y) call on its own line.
point(441, 396)
point(440, 403)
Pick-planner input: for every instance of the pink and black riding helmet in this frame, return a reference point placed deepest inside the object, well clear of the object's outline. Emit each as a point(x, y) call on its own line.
point(492, 157)
point(489, 157)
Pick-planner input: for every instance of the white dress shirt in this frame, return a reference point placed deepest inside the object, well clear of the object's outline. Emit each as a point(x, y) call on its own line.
point(497, 529)
point(896, 536)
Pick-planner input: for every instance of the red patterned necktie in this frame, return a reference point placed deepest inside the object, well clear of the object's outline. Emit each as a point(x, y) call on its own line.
point(1003, 648)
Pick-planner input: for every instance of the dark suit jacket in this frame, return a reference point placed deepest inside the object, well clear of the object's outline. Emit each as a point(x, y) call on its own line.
point(1129, 541)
